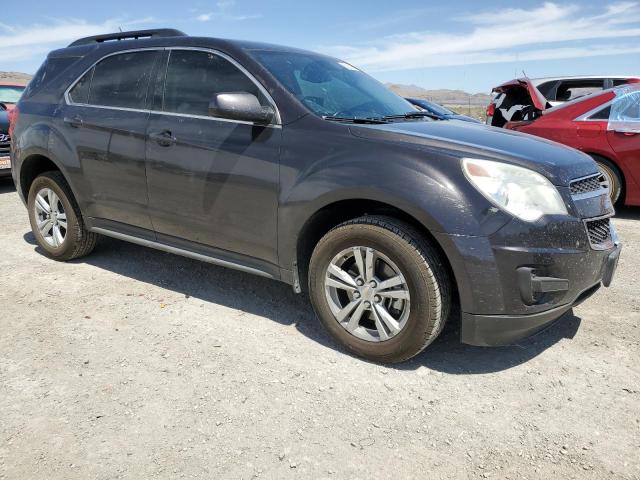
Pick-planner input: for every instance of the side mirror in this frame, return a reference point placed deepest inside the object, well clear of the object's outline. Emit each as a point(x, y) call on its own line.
point(240, 106)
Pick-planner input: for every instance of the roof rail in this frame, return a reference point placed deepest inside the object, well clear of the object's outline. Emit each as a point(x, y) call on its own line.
point(133, 35)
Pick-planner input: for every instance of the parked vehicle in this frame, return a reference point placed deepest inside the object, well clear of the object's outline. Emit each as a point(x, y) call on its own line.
point(558, 90)
point(593, 125)
point(10, 93)
point(512, 100)
point(438, 111)
point(5, 143)
point(301, 168)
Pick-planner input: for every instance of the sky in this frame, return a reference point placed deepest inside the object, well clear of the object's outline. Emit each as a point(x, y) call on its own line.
point(467, 45)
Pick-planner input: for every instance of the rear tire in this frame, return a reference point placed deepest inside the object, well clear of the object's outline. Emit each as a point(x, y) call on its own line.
point(56, 220)
point(396, 307)
point(613, 176)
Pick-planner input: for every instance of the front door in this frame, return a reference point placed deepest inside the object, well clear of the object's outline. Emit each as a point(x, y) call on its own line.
point(211, 181)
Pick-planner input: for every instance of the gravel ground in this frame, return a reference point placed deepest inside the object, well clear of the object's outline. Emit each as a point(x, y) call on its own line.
point(132, 363)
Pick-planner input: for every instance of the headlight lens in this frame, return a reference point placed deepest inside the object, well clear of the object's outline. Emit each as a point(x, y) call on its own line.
point(520, 191)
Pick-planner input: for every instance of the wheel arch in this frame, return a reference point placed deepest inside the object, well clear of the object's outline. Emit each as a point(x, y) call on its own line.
point(619, 170)
point(337, 212)
point(35, 164)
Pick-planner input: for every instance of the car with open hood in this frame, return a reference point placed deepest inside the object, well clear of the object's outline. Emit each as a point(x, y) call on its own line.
point(523, 98)
point(606, 126)
point(301, 168)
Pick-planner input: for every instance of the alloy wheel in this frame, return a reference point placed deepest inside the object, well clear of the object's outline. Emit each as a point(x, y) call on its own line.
point(50, 217)
point(367, 294)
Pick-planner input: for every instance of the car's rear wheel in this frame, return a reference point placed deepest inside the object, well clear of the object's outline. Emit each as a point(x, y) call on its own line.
point(380, 288)
point(56, 220)
point(612, 177)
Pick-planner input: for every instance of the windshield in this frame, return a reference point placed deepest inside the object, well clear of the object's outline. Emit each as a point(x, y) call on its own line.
point(331, 88)
point(10, 94)
point(433, 107)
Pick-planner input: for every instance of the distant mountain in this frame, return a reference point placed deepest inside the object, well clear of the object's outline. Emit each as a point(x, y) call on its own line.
point(442, 96)
point(15, 77)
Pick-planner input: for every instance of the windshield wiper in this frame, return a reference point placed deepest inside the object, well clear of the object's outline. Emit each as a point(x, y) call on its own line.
point(411, 115)
point(376, 120)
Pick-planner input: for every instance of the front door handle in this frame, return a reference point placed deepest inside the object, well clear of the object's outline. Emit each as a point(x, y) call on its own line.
point(164, 138)
point(75, 122)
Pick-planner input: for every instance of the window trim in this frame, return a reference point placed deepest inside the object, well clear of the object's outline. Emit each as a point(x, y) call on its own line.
point(585, 117)
point(276, 123)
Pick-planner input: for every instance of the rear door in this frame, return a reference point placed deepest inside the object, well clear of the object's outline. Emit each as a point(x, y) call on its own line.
point(105, 117)
point(623, 131)
point(212, 181)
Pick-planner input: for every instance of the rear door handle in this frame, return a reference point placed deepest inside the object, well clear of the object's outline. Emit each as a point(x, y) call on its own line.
point(164, 138)
point(75, 122)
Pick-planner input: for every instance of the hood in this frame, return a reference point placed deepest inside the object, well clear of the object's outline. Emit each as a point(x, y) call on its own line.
point(558, 163)
point(537, 99)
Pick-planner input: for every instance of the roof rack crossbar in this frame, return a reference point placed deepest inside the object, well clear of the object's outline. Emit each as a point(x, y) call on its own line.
point(132, 35)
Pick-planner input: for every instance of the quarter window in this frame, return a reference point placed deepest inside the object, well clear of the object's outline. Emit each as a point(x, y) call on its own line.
point(122, 80)
point(80, 92)
point(194, 77)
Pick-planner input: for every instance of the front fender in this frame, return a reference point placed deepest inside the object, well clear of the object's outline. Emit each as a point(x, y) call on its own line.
point(428, 185)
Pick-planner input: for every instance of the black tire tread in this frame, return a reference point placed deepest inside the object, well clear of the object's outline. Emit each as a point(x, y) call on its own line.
point(85, 241)
point(428, 256)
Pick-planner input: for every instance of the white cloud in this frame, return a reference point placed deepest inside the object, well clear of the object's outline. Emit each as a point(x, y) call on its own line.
point(25, 42)
point(223, 12)
point(549, 31)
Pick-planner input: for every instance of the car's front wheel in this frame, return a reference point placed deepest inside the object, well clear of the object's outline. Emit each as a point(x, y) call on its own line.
point(380, 288)
point(612, 177)
point(56, 220)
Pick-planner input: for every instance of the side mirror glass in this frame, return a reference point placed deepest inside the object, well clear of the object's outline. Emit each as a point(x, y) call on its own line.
point(241, 106)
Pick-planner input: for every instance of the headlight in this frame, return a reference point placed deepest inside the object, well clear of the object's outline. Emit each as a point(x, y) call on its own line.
point(520, 191)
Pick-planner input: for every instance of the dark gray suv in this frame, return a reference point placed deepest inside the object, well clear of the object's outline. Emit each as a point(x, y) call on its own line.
point(301, 168)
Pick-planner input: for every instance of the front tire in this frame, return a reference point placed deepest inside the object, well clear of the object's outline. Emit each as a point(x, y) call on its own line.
point(380, 288)
point(56, 220)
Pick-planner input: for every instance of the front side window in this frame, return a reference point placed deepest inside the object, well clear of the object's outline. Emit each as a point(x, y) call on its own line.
point(122, 80)
point(194, 77)
point(575, 89)
point(331, 88)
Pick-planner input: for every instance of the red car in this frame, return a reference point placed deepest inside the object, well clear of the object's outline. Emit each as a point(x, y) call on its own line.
point(10, 93)
point(604, 125)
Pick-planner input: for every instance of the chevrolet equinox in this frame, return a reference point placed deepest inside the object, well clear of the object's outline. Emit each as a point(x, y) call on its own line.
point(300, 167)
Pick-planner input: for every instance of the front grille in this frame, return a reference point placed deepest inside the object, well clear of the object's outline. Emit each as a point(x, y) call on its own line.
point(599, 232)
point(589, 184)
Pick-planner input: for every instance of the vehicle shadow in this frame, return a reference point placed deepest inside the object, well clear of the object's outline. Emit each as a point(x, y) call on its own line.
point(628, 213)
point(6, 185)
point(278, 302)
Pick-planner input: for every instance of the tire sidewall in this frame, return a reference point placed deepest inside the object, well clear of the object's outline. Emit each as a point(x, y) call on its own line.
point(422, 290)
point(69, 243)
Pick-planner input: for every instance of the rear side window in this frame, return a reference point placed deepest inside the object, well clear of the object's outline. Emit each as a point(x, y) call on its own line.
point(122, 80)
point(80, 91)
point(194, 77)
point(602, 114)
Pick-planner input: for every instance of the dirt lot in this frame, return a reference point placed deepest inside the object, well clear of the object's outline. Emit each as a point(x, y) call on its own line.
point(133, 363)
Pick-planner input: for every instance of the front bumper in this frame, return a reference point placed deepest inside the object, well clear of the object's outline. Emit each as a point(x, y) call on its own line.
point(494, 330)
point(516, 282)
